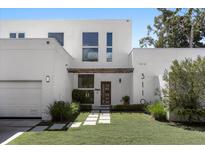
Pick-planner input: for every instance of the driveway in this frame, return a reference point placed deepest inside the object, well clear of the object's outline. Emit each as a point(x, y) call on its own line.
point(9, 127)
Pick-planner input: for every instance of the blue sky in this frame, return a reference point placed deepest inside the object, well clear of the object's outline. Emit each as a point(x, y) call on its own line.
point(140, 17)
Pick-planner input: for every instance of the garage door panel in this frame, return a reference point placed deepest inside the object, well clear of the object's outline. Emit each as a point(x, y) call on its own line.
point(20, 99)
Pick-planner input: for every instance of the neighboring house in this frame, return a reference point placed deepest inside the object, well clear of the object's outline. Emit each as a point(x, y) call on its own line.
point(91, 55)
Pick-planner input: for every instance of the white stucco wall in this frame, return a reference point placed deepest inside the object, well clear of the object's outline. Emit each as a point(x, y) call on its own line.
point(153, 62)
point(73, 29)
point(33, 60)
point(118, 90)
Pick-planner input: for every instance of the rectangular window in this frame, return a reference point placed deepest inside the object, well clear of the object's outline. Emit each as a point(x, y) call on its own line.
point(109, 47)
point(21, 35)
point(58, 36)
point(90, 39)
point(12, 35)
point(109, 54)
point(109, 39)
point(90, 54)
point(90, 46)
point(85, 81)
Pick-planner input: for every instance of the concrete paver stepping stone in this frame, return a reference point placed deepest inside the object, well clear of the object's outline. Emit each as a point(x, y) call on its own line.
point(93, 115)
point(104, 121)
point(56, 126)
point(89, 123)
point(92, 118)
point(104, 118)
point(39, 128)
point(69, 125)
point(76, 124)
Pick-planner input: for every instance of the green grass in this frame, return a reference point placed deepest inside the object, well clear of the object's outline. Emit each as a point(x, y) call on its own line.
point(125, 128)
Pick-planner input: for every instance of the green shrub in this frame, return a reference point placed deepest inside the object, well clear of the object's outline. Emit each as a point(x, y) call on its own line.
point(184, 90)
point(74, 108)
point(126, 100)
point(61, 111)
point(86, 107)
point(157, 110)
point(131, 108)
point(83, 96)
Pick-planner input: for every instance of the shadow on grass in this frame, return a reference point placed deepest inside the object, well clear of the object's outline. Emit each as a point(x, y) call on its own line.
point(189, 126)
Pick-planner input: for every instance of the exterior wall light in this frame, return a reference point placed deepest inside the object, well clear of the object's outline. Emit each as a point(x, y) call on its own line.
point(120, 80)
point(47, 78)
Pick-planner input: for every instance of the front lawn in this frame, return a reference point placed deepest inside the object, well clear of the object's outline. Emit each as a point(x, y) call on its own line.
point(125, 128)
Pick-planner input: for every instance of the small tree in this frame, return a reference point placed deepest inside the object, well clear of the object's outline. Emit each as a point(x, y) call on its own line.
point(185, 89)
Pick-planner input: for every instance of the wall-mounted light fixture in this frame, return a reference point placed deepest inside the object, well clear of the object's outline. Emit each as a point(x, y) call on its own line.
point(120, 80)
point(47, 78)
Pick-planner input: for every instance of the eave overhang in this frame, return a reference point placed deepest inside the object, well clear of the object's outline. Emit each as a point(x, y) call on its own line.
point(100, 70)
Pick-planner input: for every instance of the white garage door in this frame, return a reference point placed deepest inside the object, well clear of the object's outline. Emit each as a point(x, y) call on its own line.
point(20, 99)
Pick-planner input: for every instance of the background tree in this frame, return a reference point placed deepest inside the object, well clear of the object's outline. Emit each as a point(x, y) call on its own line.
point(176, 28)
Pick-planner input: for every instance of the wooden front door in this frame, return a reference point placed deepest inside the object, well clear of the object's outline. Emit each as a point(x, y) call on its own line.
point(105, 93)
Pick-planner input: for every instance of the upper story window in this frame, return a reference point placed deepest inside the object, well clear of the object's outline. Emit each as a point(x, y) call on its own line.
point(90, 46)
point(17, 35)
point(58, 36)
point(109, 47)
point(90, 39)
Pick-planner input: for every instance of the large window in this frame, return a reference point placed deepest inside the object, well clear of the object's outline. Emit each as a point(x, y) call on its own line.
point(58, 36)
point(90, 46)
point(85, 81)
point(109, 47)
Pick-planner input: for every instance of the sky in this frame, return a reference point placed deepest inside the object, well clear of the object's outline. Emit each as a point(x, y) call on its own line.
point(140, 17)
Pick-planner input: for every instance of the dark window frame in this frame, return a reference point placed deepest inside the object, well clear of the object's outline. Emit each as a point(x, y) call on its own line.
point(93, 45)
point(109, 39)
point(14, 34)
point(94, 41)
point(82, 84)
point(89, 60)
point(19, 35)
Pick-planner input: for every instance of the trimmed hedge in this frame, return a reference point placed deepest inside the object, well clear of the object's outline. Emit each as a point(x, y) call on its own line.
point(85, 107)
point(130, 108)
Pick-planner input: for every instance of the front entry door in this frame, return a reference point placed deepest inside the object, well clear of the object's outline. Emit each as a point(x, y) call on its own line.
point(105, 93)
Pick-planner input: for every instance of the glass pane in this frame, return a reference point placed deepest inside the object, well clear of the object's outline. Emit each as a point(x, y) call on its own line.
point(21, 35)
point(86, 81)
point(58, 36)
point(90, 54)
point(109, 54)
point(90, 39)
point(109, 39)
point(12, 35)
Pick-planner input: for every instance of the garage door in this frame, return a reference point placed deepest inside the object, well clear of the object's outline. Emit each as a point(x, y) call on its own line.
point(20, 99)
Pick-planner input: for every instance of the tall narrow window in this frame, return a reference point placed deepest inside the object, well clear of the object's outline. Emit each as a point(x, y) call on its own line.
point(58, 36)
point(90, 46)
point(109, 47)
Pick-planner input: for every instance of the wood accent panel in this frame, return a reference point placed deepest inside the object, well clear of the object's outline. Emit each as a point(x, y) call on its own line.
point(100, 70)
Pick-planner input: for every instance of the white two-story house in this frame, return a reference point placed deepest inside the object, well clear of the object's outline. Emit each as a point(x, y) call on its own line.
point(42, 61)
